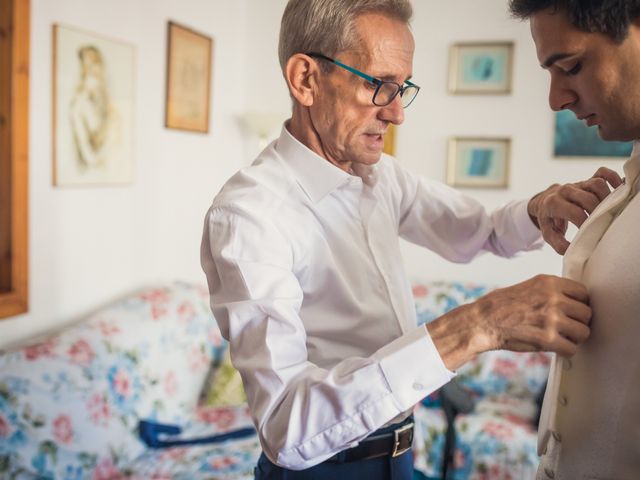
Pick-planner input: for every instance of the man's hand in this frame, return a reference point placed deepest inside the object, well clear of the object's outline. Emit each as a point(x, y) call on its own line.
point(545, 313)
point(574, 202)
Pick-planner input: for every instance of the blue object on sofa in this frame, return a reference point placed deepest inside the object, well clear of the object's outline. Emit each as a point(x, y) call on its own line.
point(162, 435)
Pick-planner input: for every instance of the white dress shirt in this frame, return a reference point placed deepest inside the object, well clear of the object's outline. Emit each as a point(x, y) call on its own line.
point(307, 284)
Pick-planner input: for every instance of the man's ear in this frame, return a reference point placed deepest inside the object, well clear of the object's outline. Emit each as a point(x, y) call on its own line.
point(301, 74)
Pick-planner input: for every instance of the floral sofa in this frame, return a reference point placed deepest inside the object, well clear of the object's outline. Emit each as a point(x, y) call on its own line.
point(70, 405)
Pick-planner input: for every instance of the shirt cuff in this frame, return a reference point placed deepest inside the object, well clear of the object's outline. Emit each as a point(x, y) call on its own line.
point(412, 367)
point(525, 226)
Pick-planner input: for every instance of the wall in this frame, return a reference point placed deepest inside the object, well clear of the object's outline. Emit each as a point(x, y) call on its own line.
point(91, 245)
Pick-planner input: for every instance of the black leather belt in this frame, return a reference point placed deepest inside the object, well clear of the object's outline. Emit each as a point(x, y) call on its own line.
point(392, 444)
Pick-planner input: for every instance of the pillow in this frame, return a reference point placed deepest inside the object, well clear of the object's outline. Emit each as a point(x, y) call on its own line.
point(224, 386)
point(73, 402)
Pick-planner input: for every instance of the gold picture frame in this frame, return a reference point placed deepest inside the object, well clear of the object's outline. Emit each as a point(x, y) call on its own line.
point(189, 59)
point(481, 68)
point(476, 162)
point(390, 140)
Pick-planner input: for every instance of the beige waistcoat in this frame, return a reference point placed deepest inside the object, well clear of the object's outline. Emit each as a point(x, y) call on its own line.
point(590, 422)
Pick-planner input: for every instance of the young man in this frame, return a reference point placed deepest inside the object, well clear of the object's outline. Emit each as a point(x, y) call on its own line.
point(590, 423)
point(304, 268)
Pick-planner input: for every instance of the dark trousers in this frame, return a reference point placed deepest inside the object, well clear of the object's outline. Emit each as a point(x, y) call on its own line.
point(380, 468)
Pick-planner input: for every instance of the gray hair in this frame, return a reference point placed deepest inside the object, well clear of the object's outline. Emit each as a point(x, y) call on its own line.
point(326, 26)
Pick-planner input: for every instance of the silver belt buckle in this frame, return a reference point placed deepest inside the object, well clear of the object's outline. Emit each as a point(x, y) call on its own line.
point(396, 438)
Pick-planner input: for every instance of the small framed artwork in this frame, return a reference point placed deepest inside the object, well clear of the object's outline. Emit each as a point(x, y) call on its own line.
point(574, 140)
point(481, 68)
point(189, 58)
point(479, 162)
point(93, 85)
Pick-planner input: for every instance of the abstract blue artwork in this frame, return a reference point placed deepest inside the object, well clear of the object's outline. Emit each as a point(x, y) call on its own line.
point(481, 68)
point(574, 139)
point(478, 162)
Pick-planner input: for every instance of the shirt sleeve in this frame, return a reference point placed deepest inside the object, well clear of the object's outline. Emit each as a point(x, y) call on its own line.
point(304, 414)
point(458, 227)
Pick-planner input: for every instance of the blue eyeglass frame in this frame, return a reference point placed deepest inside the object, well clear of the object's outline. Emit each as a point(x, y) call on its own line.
point(376, 81)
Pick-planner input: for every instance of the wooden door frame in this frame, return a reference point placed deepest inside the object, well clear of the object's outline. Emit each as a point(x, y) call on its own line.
point(15, 29)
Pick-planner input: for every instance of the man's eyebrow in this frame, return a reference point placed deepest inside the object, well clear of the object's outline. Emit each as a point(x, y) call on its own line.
point(390, 78)
point(554, 58)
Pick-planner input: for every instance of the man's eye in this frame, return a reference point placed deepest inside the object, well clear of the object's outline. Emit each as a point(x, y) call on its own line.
point(370, 85)
point(575, 70)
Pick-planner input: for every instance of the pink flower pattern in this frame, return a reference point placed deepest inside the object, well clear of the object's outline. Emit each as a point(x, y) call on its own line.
point(43, 349)
point(99, 410)
point(81, 352)
point(5, 427)
point(62, 429)
point(170, 383)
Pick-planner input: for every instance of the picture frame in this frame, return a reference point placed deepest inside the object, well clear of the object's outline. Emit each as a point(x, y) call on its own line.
point(390, 140)
point(573, 139)
point(188, 90)
point(481, 68)
point(478, 162)
point(93, 108)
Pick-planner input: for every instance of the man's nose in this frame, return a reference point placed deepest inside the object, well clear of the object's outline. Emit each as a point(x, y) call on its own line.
point(560, 95)
point(394, 112)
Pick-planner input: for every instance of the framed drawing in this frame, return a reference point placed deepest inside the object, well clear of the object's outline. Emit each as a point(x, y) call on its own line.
point(573, 139)
point(188, 79)
point(479, 162)
point(481, 68)
point(93, 84)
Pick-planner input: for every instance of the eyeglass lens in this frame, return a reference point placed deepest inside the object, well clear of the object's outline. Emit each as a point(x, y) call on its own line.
point(388, 90)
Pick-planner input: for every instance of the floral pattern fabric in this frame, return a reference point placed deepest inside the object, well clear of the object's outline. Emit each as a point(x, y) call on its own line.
point(69, 405)
point(498, 439)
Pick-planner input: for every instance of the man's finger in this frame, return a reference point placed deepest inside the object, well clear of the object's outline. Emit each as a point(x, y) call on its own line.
point(552, 236)
point(575, 290)
point(597, 186)
point(609, 175)
point(577, 310)
point(577, 332)
point(582, 197)
point(569, 211)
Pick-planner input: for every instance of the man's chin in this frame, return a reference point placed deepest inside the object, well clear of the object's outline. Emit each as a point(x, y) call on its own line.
point(609, 135)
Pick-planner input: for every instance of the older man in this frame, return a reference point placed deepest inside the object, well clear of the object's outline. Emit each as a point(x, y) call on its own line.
point(304, 268)
point(590, 424)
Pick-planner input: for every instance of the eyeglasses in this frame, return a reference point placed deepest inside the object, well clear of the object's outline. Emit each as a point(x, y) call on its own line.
point(385, 91)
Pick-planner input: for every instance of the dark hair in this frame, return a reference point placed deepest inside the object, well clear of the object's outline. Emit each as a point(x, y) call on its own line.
point(609, 17)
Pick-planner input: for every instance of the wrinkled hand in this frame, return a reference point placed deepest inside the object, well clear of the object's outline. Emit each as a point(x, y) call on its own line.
point(545, 313)
point(552, 209)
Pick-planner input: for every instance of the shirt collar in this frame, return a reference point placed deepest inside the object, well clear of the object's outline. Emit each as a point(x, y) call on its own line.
point(315, 174)
point(632, 166)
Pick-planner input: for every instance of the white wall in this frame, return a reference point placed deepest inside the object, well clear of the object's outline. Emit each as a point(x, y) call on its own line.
point(91, 245)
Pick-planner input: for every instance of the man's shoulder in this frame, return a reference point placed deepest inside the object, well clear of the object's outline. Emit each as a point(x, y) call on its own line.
point(265, 186)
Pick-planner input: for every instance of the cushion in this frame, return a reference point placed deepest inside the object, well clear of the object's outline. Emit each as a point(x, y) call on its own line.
point(72, 402)
point(224, 386)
